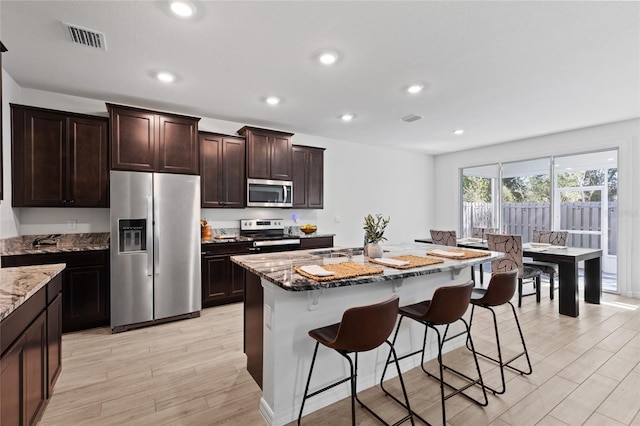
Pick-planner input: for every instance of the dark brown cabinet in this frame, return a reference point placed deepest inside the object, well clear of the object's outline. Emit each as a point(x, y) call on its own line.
point(222, 170)
point(60, 159)
point(31, 358)
point(85, 286)
point(2, 50)
point(269, 153)
point(308, 177)
point(316, 242)
point(150, 141)
point(222, 280)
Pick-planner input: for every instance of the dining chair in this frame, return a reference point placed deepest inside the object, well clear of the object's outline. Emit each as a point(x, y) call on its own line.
point(511, 246)
point(443, 238)
point(480, 233)
point(556, 238)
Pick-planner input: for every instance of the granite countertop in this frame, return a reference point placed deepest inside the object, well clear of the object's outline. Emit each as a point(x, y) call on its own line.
point(18, 284)
point(239, 239)
point(278, 267)
point(58, 243)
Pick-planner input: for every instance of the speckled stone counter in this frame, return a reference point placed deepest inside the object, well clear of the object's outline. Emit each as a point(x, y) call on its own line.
point(18, 284)
point(56, 243)
point(278, 267)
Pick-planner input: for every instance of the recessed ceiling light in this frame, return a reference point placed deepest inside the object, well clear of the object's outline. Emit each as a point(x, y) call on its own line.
point(458, 132)
point(347, 117)
point(415, 88)
point(166, 77)
point(182, 9)
point(328, 58)
point(609, 159)
point(272, 100)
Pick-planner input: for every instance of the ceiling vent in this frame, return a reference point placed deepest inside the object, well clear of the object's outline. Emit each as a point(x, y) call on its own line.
point(85, 36)
point(411, 117)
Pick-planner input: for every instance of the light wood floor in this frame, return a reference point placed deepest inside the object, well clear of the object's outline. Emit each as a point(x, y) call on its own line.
point(586, 371)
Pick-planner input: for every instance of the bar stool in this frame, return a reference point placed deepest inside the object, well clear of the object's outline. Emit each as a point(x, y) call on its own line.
point(448, 305)
point(361, 329)
point(500, 290)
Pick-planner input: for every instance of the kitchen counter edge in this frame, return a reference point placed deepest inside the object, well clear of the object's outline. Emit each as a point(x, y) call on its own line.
point(18, 284)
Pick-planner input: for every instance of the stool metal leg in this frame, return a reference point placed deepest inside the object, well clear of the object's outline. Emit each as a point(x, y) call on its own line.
point(501, 363)
point(306, 389)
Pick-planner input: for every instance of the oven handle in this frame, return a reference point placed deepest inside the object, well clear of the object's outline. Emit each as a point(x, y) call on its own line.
point(284, 242)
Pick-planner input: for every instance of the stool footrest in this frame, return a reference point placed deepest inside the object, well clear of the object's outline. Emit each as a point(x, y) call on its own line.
point(460, 390)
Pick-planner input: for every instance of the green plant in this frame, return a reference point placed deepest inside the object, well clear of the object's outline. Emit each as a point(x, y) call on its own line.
point(374, 228)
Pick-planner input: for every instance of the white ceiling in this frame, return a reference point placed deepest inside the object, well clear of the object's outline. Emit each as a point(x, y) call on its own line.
point(500, 70)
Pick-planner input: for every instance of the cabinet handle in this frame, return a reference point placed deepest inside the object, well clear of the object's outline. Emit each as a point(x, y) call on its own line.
point(64, 201)
point(71, 201)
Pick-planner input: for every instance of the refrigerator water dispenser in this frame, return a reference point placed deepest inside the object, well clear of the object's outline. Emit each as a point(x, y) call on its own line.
point(132, 235)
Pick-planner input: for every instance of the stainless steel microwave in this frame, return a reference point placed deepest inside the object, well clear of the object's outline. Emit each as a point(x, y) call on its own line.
point(269, 193)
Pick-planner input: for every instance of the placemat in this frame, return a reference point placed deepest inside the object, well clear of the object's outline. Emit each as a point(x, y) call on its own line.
point(468, 254)
point(414, 261)
point(342, 271)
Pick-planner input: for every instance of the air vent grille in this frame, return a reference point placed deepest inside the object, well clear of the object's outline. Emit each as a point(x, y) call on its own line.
point(85, 36)
point(411, 117)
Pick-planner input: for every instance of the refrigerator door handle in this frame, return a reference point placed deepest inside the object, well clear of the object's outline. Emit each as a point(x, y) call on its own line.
point(156, 238)
point(149, 246)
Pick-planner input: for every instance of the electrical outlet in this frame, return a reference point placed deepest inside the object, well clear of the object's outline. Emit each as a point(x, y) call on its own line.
point(72, 224)
point(337, 219)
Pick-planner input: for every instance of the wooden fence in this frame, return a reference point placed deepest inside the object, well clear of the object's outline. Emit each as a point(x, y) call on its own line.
point(523, 218)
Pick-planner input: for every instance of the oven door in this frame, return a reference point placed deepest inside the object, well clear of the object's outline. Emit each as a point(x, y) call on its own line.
point(269, 193)
point(272, 246)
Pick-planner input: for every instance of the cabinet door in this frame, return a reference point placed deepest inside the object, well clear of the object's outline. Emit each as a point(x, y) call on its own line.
point(133, 140)
point(88, 162)
point(39, 158)
point(11, 389)
point(281, 158)
point(233, 167)
point(210, 170)
point(237, 279)
point(178, 145)
point(54, 342)
point(34, 369)
point(85, 293)
point(215, 279)
point(259, 155)
point(315, 179)
point(299, 173)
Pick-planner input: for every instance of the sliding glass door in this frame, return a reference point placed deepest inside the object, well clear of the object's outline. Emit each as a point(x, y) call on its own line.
point(526, 197)
point(586, 203)
point(480, 198)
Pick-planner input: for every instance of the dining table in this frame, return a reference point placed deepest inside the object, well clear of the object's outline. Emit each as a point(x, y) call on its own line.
point(567, 259)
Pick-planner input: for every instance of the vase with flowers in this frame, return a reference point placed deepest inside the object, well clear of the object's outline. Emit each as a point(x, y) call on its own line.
point(374, 227)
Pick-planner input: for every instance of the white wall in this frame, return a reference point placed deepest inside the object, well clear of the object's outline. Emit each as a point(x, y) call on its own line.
point(358, 180)
point(624, 136)
point(9, 223)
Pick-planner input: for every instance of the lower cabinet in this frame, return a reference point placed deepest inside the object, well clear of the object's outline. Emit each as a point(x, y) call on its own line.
point(316, 243)
point(31, 356)
point(85, 285)
point(222, 280)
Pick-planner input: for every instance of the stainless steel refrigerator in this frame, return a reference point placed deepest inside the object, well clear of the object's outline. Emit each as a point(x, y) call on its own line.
point(155, 248)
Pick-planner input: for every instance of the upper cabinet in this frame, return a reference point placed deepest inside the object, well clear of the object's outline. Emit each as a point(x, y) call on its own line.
point(150, 141)
point(2, 50)
point(308, 177)
point(269, 154)
point(222, 168)
point(59, 159)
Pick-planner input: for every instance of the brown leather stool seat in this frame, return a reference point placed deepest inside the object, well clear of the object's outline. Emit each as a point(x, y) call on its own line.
point(448, 305)
point(500, 291)
point(361, 329)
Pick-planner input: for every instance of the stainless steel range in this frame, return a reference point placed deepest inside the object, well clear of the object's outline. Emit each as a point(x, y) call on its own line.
point(268, 235)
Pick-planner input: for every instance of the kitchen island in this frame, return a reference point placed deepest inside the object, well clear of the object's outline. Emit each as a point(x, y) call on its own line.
point(281, 306)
